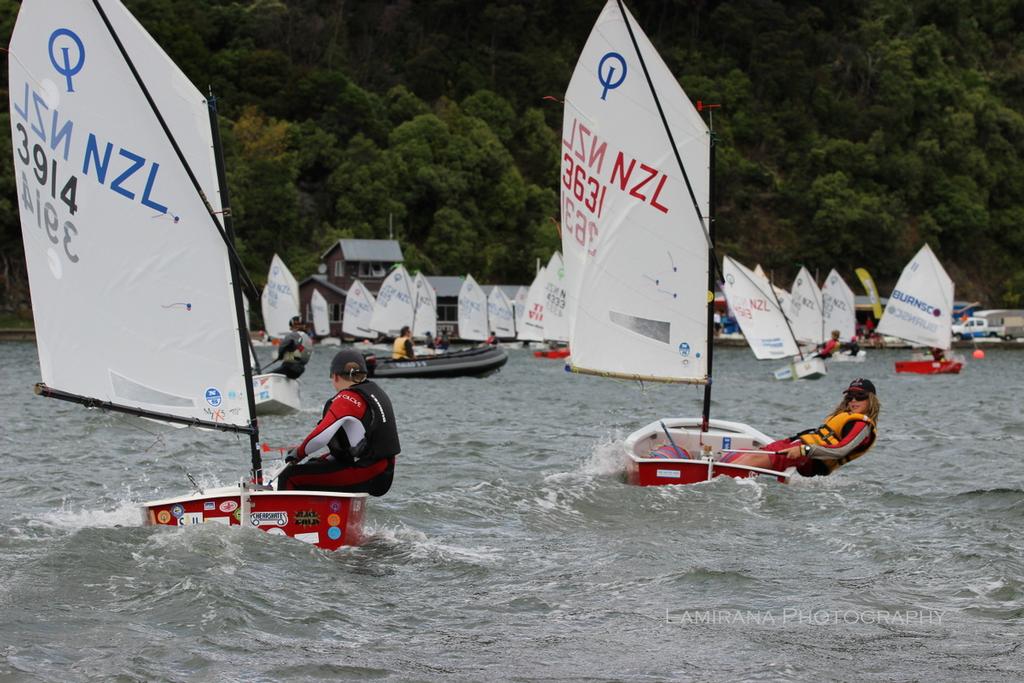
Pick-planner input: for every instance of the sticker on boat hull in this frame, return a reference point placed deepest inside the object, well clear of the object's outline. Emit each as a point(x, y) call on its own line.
point(269, 518)
point(163, 516)
point(310, 537)
point(209, 505)
point(307, 518)
point(228, 506)
point(217, 520)
point(190, 518)
point(669, 474)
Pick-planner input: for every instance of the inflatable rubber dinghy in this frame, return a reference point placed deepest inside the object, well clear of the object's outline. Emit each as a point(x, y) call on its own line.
point(476, 362)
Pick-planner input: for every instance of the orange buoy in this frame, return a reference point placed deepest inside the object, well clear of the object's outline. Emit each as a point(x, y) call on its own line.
point(978, 353)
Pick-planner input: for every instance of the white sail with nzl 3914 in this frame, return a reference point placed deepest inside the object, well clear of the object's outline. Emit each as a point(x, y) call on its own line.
point(637, 228)
point(126, 224)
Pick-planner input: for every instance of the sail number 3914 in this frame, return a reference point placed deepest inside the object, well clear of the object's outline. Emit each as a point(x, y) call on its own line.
point(45, 171)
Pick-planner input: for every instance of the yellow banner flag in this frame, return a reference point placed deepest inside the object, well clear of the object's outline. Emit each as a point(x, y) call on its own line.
point(872, 291)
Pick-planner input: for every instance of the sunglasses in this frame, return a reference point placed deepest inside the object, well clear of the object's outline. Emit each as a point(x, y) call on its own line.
point(857, 396)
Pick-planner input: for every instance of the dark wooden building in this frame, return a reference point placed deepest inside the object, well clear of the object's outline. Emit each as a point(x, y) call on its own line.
point(349, 259)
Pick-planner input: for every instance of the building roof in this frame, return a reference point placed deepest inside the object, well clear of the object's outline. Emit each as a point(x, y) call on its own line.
point(387, 251)
point(321, 281)
point(510, 290)
point(446, 286)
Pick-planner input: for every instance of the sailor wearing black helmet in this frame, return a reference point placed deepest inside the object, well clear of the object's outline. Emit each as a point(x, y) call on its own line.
point(358, 431)
point(847, 434)
point(294, 351)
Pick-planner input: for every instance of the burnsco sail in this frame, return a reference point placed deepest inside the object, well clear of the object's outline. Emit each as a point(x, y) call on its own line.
point(426, 307)
point(472, 311)
point(280, 299)
point(920, 307)
point(108, 209)
point(838, 306)
point(635, 247)
point(395, 303)
point(359, 307)
point(757, 311)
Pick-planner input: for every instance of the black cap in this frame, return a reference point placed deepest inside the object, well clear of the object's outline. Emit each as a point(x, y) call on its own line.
point(861, 385)
point(295, 320)
point(347, 361)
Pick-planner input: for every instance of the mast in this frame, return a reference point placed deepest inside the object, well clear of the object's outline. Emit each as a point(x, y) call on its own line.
point(244, 342)
point(706, 412)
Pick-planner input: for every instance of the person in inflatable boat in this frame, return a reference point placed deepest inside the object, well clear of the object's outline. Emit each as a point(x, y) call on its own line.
point(357, 429)
point(849, 431)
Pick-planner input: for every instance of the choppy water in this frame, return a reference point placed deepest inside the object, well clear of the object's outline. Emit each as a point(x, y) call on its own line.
point(510, 549)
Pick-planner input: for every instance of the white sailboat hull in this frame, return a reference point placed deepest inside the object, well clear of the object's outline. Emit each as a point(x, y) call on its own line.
point(858, 357)
point(276, 394)
point(809, 368)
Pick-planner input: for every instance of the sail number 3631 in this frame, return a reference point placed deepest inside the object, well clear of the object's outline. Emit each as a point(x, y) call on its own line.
point(45, 172)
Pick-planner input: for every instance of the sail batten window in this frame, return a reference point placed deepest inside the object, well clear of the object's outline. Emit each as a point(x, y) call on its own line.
point(658, 330)
point(130, 390)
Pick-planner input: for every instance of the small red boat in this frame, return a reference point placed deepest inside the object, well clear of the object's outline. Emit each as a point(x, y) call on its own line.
point(692, 455)
point(930, 367)
point(553, 353)
point(325, 519)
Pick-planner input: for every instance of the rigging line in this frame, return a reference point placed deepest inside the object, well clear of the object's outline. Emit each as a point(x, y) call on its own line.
point(177, 150)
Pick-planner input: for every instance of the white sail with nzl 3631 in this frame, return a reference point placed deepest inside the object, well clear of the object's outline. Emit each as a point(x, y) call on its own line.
point(126, 225)
point(636, 186)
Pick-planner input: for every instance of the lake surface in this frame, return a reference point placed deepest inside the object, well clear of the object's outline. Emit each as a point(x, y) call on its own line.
point(510, 548)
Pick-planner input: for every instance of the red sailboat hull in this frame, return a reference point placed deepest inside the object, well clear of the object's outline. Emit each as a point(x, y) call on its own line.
point(324, 519)
point(662, 472)
point(552, 353)
point(929, 367)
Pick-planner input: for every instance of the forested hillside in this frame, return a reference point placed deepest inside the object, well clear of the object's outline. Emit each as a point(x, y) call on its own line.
point(849, 133)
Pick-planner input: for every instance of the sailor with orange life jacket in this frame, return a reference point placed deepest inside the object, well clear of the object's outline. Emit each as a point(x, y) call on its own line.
point(847, 434)
point(359, 432)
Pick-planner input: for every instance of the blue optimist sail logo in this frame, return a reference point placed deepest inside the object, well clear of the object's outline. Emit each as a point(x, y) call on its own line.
point(61, 55)
point(213, 397)
point(684, 349)
point(611, 72)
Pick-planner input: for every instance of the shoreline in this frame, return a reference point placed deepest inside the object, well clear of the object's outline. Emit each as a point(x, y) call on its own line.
point(29, 334)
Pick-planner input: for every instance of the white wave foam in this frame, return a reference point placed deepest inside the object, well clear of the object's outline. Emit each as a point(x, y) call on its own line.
point(606, 458)
point(127, 513)
point(421, 546)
